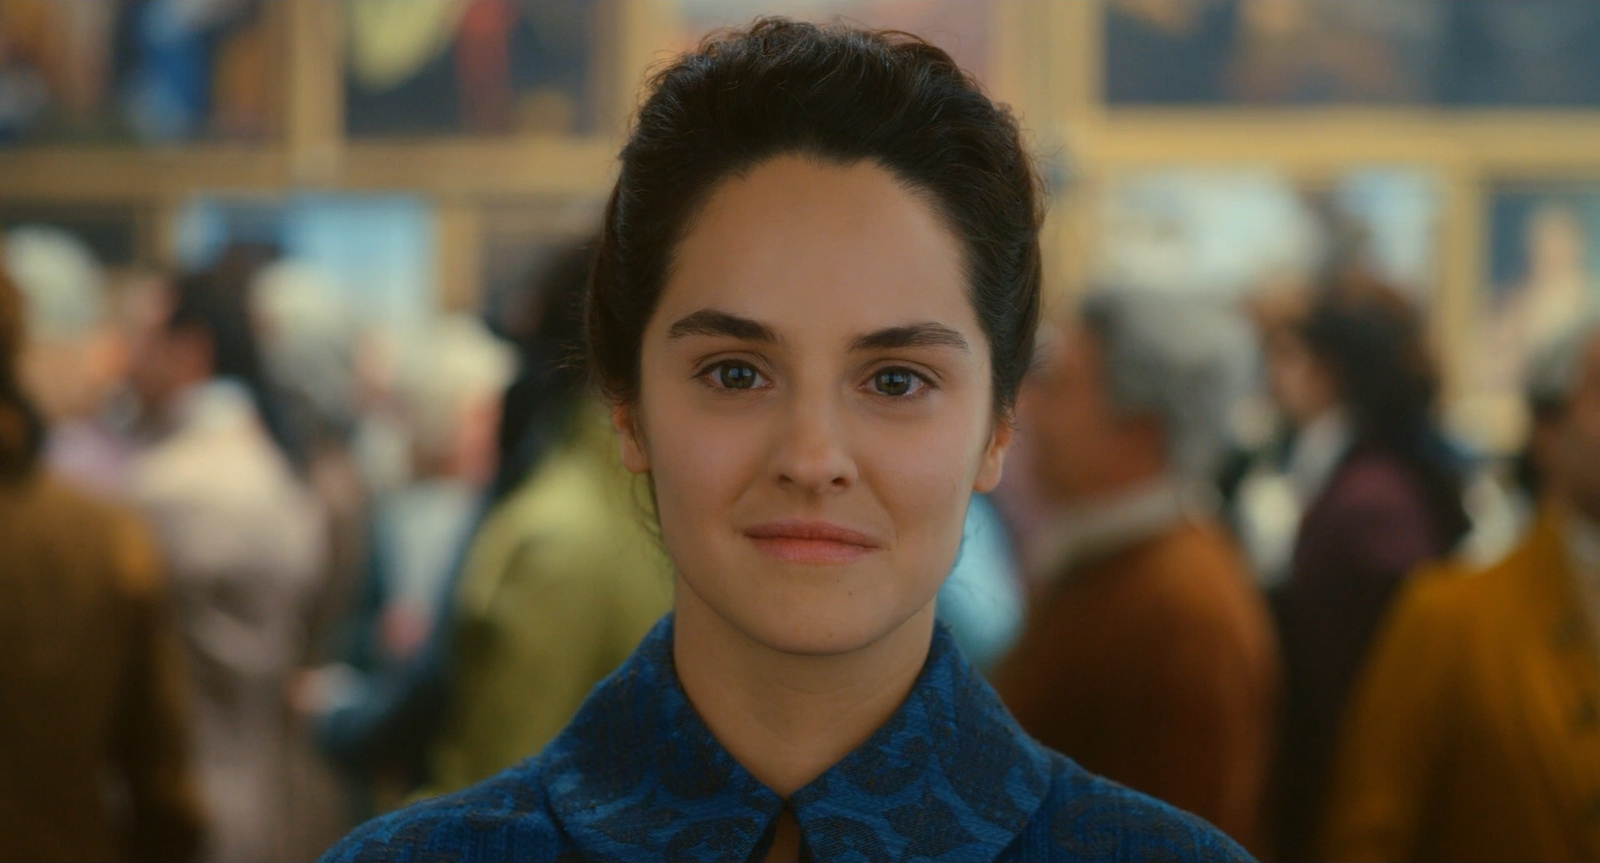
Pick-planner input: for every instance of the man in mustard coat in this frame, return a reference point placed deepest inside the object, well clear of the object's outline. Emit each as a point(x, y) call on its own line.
point(1475, 731)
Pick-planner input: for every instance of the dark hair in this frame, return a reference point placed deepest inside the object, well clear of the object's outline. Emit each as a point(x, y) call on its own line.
point(21, 430)
point(539, 405)
point(214, 303)
point(838, 94)
point(1372, 341)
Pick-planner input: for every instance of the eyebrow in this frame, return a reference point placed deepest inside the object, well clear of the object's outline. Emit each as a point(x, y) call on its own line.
point(710, 322)
point(929, 335)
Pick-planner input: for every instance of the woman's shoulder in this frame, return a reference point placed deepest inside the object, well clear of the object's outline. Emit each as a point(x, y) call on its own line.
point(1086, 817)
point(504, 817)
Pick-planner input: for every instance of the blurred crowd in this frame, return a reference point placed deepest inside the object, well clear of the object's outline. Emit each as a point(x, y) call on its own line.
point(271, 569)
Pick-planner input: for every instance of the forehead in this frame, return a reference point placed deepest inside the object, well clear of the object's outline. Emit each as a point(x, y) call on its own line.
point(804, 245)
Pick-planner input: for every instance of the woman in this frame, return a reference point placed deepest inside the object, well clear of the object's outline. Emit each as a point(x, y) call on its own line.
point(1382, 494)
point(812, 304)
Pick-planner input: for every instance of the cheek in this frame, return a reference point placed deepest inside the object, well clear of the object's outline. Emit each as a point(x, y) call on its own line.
point(700, 464)
point(1285, 377)
point(923, 477)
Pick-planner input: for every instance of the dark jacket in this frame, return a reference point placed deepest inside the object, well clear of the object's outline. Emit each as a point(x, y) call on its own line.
point(1371, 526)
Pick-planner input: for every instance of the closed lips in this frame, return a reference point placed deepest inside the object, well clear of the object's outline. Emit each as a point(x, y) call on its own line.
point(811, 531)
point(811, 543)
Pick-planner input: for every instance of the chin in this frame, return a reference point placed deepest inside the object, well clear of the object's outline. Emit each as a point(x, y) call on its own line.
point(837, 623)
point(801, 638)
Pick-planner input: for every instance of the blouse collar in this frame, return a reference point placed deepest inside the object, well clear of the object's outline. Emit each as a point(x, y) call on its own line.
point(1317, 452)
point(638, 776)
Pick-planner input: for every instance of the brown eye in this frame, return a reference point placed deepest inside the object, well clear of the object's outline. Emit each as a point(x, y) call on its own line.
point(736, 376)
point(895, 382)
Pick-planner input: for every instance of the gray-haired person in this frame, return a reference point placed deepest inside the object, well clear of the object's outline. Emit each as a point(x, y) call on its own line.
point(1149, 638)
point(75, 357)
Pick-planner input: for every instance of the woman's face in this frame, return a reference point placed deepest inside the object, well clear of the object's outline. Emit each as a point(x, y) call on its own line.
point(1302, 386)
point(814, 406)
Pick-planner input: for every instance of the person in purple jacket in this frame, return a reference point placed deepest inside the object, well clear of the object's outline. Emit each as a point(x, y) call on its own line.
point(1381, 491)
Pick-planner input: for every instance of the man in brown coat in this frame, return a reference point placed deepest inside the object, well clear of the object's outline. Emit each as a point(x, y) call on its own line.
point(1148, 656)
point(93, 731)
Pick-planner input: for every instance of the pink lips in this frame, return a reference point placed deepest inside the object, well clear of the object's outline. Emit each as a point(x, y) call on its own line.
point(811, 541)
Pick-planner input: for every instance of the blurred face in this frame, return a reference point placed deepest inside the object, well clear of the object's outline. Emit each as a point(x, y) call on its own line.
point(1571, 445)
point(70, 378)
point(815, 407)
point(1302, 387)
point(1083, 447)
point(161, 363)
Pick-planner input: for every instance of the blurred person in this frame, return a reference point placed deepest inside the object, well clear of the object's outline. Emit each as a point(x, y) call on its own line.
point(377, 709)
point(447, 392)
point(1470, 730)
point(245, 539)
point(1148, 655)
point(94, 728)
point(1259, 502)
point(380, 444)
point(813, 301)
point(562, 579)
point(1473, 730)
point(75, 358)
point(1380, 490)
point(308, 341)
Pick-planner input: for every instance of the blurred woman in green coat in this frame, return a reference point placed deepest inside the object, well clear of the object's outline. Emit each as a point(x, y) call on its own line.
point(563, 577)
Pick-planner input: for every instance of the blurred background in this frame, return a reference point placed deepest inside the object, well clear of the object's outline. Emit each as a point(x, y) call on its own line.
point(395, 189)
point(425, 155)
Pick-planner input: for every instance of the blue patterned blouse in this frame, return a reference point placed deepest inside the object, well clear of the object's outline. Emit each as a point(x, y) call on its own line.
point(638, 776)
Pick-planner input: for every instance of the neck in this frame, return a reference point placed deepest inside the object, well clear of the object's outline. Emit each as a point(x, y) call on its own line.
point(785, 717)
point(1128, 478)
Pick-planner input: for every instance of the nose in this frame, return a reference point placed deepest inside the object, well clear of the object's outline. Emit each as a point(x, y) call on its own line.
point(812, 454)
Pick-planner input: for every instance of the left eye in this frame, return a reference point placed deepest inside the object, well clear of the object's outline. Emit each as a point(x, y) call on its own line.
point(896, 382)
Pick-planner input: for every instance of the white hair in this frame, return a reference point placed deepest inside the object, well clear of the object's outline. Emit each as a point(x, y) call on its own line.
point(1181, 359)
point(308, 336)
point(62, 282)
point(441, 368)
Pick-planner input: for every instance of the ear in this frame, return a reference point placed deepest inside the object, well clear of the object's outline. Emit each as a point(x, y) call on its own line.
point(634, 456)
point(994, 456)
